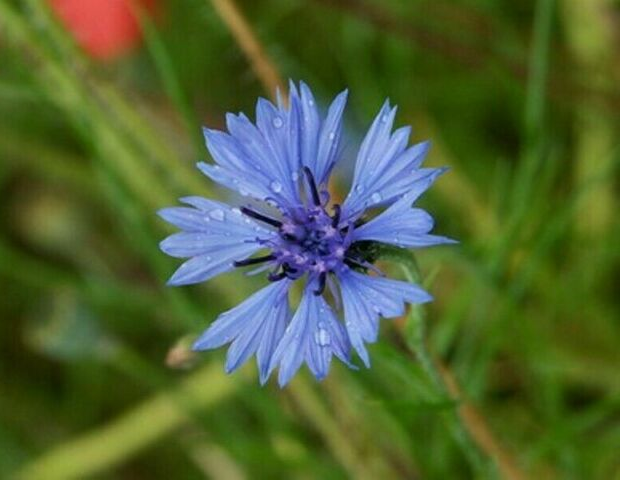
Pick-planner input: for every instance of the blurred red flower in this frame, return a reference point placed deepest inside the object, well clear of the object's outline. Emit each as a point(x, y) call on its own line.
point(105, 29)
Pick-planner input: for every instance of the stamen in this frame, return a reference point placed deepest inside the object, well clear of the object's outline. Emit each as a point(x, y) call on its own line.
point(253, 261)
point(276, 276)
point(322, 280)
point(336, 217)
point(316, 199)
point(263, 218)
point(290, 271)
point(364, 264)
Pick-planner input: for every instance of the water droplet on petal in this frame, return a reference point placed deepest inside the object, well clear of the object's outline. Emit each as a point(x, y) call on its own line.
point(236, 211)
point(384, 118)
point(332, 135)
point(217, 214)
point(277, 122)
point(295, 176)
point(322, 338)
point(376, 197)
point(359, 188)
point(276, 186)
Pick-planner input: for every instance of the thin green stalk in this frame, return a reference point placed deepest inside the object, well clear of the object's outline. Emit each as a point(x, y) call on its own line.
point(416, 341)
point(532, 156)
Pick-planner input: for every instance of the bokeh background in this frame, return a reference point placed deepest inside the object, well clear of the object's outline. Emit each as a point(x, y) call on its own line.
point(101, 104)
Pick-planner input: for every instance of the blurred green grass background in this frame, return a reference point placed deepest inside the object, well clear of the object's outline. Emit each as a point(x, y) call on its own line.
point(520, 99)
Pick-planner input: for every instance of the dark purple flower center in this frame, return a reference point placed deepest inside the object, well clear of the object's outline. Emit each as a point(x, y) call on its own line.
point(310, 240)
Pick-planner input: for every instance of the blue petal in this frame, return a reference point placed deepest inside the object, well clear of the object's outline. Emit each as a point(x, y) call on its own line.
point(208, 265)
point(191, 244)
point(311, 126)
point(313, 336)
point(236, 168)
point(402, 226)
point(366, 298)
point(320, 141)
point(280, 129)
point(329, 139)
point(385, 168)
point(258, 161)
point(376, 141)
point(215, 235)
point(254, 327)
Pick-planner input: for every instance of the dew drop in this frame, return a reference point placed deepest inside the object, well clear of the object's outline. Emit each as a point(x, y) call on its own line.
point(359, 188)
point(277, 122)
point(376, 197)
point(322, 338)
point(236, 211)
point(217, 214)
point(384, 118)
point(332, 135)
point(295, 176)
point(276, 186)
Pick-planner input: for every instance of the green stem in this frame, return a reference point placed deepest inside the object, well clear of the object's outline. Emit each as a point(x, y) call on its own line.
point(416, 341)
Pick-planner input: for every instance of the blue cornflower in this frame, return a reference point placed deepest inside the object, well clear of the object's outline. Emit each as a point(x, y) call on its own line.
point(282, 164)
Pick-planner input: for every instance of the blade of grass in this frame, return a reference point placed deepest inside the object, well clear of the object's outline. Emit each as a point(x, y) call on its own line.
point(101, 449)
point(165, 67)
point(245, 37)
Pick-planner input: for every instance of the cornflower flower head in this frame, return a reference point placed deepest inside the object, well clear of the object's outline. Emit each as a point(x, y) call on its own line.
point(282, 164)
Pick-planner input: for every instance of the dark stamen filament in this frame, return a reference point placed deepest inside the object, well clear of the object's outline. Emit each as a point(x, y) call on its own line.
point(316, 199)
point(253, 261)
point(336, 217)
point(263, 218)
point(276, 276)
point(322, 280)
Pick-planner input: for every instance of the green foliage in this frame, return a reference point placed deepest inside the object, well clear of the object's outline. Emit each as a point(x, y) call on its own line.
point(519, 99)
